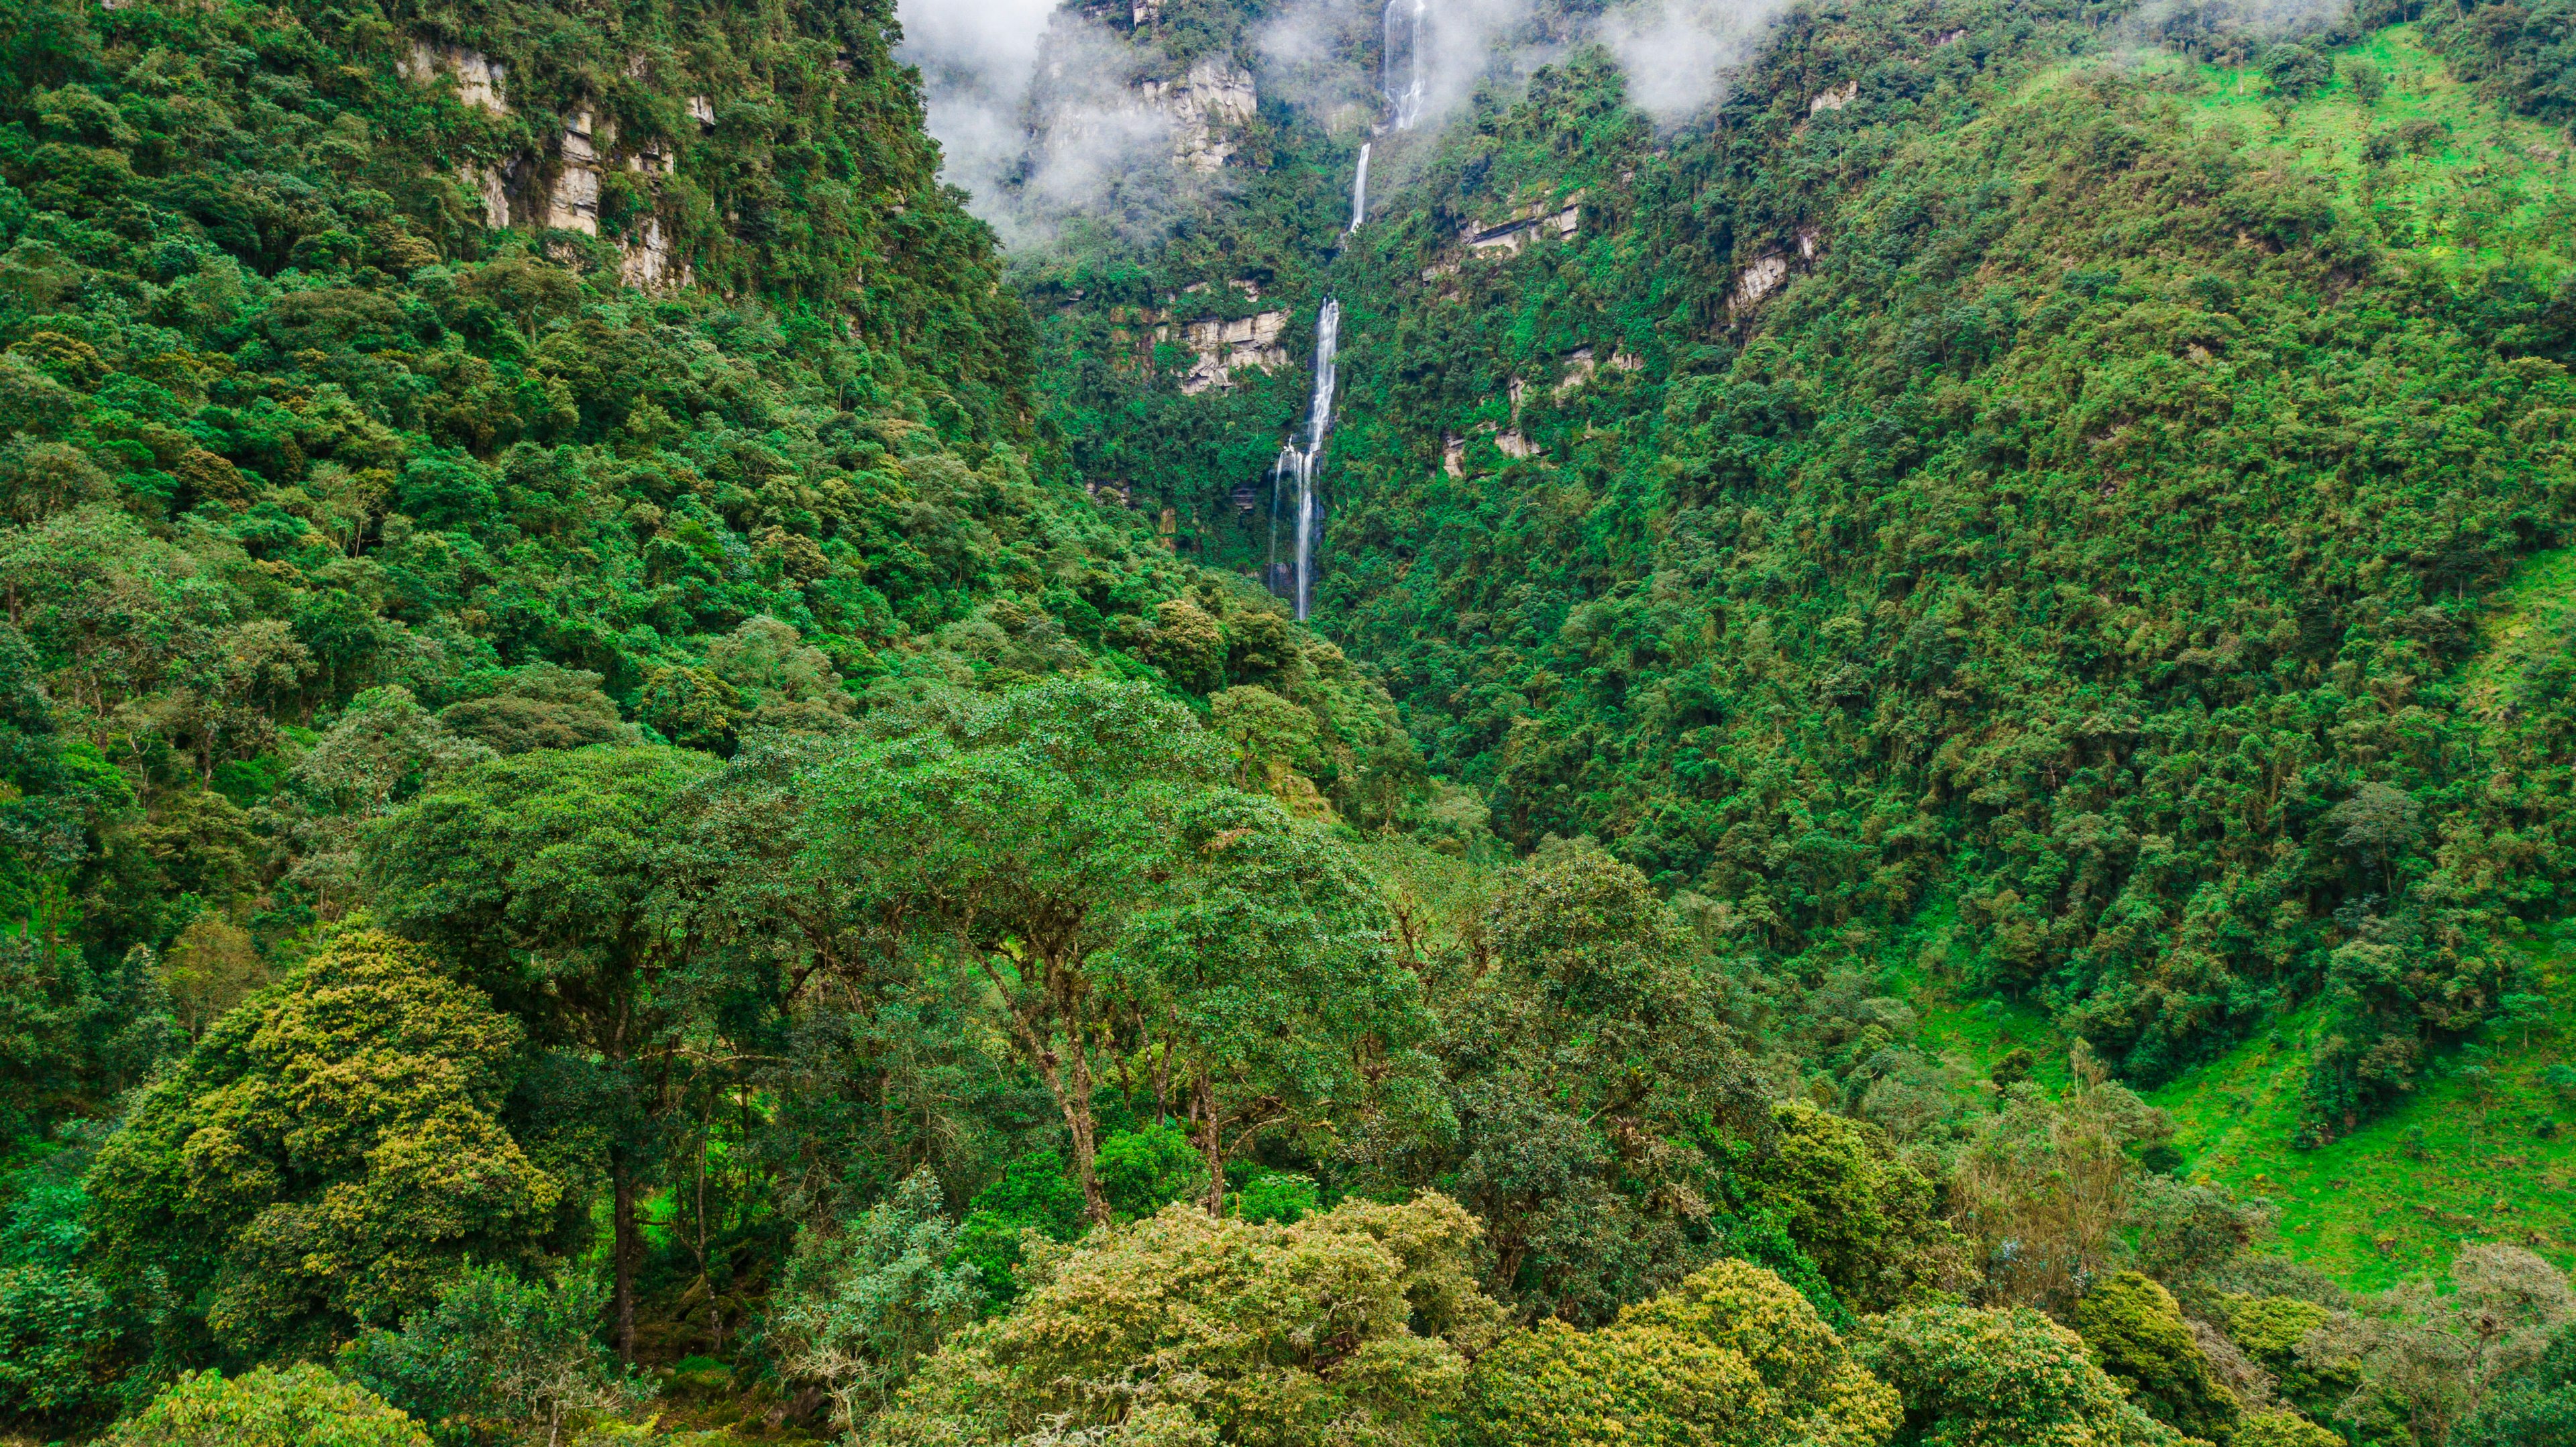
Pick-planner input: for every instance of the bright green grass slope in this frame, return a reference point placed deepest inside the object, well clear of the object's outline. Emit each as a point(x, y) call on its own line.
point(2484, 1151)
point(2479, 1154)
point(2468, 182)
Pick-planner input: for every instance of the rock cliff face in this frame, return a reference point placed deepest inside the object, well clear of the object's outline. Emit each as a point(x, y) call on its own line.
point(1208, 109)
point(574, 203)
point(479, 80)
point(1223, 347)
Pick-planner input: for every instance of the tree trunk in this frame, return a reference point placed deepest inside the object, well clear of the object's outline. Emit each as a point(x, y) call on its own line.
point(1077, 1119)
point(1211, 1143)
point(621, 1252)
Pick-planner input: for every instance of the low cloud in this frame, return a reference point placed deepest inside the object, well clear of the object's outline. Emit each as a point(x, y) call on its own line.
point(1678, 53)
point(2230, 31)
point(1036, 110)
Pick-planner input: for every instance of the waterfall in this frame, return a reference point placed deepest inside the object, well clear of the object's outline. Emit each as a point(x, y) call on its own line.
point(1300, 463)
point(1359, 190)
point(1403, 58)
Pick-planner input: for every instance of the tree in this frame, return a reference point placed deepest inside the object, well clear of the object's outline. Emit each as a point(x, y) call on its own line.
point(378, 754)
point(1734, 1355)
point(1265, 963)
point(547, 877)
point(2047, 1188)
point(2133, 1329)
point(1017, 843)
point(1585, 1064)
point(857, 1308)
point(1969, 1377)
point(538, 706)
point(2535, 1406)
point(2296, 71)
point(298, 1406)
point(208, 969)
point(1353, 1325)
point(1871, 1223)
point(496, 1358)
point(329, 1156)
point(2378, 823)
point(2434, 1358)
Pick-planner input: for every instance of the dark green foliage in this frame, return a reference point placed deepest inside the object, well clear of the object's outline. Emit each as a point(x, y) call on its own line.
point(1277, 1197)
point(2536, 1407)
point(495, 1358)
point(1143, 1171)
point(60, 1330)
point(2132, 1328)
point(1032, 1194)
point(1586, 1065)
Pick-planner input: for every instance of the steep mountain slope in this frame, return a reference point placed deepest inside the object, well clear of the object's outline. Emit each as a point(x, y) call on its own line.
point(2000, 471)
point(565, 374)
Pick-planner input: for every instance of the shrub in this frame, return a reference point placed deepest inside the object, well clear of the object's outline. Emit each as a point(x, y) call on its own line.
point(494, 1355)
point(302, 1406)
point(1735, 1355)
point(1276, 1196)
point(1970, 1378)
point(1143, 1171)
point(2135, 1331)
point(1349, 1326)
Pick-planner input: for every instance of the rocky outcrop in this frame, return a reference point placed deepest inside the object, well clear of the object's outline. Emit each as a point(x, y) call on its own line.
point(573, 205)
point(480, 80)
point(1226, 346)
point(1207, 109)
point(1834, 99)
point(1530, 222)
point(1757, 281)
point(492, 186)
point(648, 261)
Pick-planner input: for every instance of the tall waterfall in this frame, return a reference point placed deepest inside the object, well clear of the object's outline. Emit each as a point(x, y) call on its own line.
point(1299, 463)
point(1401, 59)
point(1359, 190)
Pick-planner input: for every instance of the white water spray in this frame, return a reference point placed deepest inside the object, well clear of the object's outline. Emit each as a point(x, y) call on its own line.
point(1300, 463)
point(1403, 58)
point(1359, 191)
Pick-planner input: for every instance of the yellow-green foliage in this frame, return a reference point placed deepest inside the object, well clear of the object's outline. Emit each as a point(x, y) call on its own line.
point(2135, 1331)
point(302, 1406)
point(2272, 1330)
point(2281, 1427)
point(1350, 1326)
point(1872, 1222)
point(328, 1155)
point(1972, 1378)
point(1735, 1355)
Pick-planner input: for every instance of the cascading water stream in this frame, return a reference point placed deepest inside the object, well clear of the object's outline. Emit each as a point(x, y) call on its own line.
point(1405, 105)
point(1300, 462)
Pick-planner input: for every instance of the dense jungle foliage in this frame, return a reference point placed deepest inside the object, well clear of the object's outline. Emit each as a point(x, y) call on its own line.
point(650, 795)
point(1997, 499)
